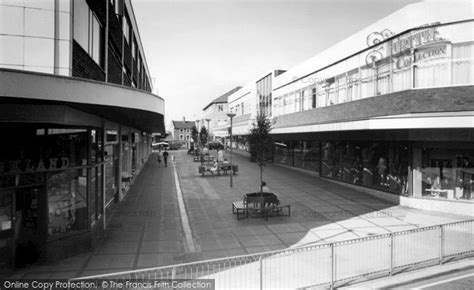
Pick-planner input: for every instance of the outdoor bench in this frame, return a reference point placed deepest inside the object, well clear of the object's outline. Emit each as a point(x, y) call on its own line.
point(259, 205)
point(224, 168)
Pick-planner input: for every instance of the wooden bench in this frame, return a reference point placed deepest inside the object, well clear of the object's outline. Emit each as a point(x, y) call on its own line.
point(258, 206)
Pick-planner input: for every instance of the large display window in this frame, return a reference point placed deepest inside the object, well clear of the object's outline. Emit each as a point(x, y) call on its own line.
point(447, 173)
point(111, 172)
point(67, 202)
point(380, 165)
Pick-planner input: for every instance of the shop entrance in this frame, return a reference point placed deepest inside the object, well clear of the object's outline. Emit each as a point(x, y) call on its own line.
point(28, 240)
point(6, 227)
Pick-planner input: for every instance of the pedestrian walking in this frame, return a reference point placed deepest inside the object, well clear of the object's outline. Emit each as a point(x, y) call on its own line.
point(159, 160)
point(165, 157)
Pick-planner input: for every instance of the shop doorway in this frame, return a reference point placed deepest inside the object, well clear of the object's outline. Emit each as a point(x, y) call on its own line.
point(28, 237)
point(6, 227)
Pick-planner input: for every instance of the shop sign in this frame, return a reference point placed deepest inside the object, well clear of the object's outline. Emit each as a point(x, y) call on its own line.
point(380, 51)
point(415, 39)
point(430, 53)
point(25, 166)
point(421, 55)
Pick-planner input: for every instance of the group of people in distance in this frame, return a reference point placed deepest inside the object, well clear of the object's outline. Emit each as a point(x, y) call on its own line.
point(220, 159)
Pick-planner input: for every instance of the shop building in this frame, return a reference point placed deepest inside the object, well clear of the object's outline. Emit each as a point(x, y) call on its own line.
point(253, 98)
point(216, 112)
point(389, 110)
point(77, 107)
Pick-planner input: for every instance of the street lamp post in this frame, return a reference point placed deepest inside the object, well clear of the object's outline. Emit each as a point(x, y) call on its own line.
point(231, 115)
point(208, 132)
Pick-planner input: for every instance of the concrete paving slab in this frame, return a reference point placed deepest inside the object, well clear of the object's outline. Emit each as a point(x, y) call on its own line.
point(50, 275)
point(286, 228)
point(155, 260)
point(260, 240)
point(118, 247)
point(355, 223)
point(111, 261)
point(291, 238)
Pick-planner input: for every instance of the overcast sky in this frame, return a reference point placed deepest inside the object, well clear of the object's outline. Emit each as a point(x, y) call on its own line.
point(198, 50)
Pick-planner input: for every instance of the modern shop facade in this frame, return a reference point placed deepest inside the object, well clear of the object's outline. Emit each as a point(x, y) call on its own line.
point(65, 165)
point(395, 117)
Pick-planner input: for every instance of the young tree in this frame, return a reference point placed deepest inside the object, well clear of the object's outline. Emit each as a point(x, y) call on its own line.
point(203, 136)
point(195, 135)
point(261, 143)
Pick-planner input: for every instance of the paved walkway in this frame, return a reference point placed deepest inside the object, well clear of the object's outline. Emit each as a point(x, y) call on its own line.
point(147, 230)
point(144, 232)
point(321, 211)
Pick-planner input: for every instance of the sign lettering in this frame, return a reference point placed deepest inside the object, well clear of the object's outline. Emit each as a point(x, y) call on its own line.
point(26, 166)
point(414, 40)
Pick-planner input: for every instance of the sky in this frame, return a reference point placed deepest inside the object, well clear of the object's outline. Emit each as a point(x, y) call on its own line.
point(197, 50)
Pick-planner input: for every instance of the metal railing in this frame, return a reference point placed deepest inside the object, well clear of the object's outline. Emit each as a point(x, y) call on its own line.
point(331, 264)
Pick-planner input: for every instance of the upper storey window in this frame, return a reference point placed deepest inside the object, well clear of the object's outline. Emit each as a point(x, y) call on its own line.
point(88, 31)
point(425, 57)
point(117, 4)
point(126, 28)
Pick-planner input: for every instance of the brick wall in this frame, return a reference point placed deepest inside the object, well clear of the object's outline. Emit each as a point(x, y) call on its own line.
point(115, 69)
point(410, 101)
point(83, 66)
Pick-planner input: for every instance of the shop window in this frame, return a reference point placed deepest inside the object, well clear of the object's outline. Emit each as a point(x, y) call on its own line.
point(446, 174)
point(383, 77)
point(111, 171)
point(380, 165)
point(367, 81)
point(95, 192)
point(353, 85)
point(96, 146)
point(5, 225)
point(341, 89)
point(67, 202)
point(463, 63)
point(70, 144)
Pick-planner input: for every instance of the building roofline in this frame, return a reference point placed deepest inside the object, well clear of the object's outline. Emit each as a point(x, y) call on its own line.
point(221, 98)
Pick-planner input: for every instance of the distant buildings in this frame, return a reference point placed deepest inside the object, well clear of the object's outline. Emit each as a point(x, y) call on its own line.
point(216, 112)
point(182, 131)
point(77, 113)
